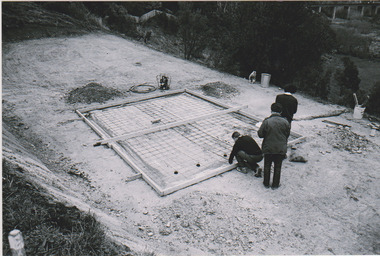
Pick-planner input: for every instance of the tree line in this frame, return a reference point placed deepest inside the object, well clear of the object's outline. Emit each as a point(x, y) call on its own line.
point(288, 40)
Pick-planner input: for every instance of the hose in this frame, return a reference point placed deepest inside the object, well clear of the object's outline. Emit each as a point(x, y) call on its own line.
point(142, 88)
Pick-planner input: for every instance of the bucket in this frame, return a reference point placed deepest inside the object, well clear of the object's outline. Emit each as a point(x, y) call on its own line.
point(265, 78)
point(358, 112)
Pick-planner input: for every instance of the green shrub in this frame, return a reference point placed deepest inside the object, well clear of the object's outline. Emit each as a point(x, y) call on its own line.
point(74, 9)
point(193, 32)
point(323, 85)
point(119, 20)
point(49, 228)
point(307, 78)
point(361, 26)
point(351, 43)
point(348, 78)
point(314, 81)
point(373, 106)
point(167, 24)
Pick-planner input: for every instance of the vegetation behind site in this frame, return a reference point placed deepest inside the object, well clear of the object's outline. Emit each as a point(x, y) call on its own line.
point(291, 41)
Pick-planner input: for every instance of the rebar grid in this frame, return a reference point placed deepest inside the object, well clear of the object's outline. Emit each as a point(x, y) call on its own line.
point(184, 154)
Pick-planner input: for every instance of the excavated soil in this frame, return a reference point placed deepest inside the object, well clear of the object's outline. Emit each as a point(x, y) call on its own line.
point(92, 92)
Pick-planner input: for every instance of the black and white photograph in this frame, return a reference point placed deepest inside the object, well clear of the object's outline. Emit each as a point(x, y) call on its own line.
point(147, 128)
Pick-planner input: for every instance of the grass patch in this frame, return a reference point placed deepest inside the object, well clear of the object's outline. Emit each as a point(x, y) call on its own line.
point(49, 228)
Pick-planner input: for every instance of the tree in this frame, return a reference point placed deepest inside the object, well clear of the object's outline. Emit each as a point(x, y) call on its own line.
point(279, 38)
point(323, 86)
point(373, 106)
point(119, 20)
point(348, 78)
point(314, 81)
point(193, 31)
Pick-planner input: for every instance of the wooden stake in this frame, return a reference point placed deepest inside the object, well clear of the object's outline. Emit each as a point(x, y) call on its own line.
point(335, 123)
point(334, 113)
point(134, 177)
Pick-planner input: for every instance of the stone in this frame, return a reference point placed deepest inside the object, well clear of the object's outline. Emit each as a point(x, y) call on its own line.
point(185, 224)
point(165, 232)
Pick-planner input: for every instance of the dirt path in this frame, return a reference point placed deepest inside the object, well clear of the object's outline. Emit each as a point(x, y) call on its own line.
point(328, 205)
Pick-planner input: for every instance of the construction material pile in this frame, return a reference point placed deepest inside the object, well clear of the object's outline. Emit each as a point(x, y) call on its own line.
point(210, 222)
point(345, 139)
point(219, 90)
point(92, 92)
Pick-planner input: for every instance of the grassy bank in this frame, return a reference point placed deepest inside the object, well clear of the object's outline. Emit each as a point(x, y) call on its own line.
point(48, 227)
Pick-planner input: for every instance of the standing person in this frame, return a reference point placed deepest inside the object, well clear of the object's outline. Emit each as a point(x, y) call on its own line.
point(247, 153)
point(275, 130)
point(288, 102)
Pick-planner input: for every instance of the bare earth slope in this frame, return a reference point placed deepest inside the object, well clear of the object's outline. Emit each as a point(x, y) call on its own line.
point(328, 205)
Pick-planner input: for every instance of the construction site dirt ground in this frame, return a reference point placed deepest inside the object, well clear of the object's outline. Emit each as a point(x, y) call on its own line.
point(329, 205)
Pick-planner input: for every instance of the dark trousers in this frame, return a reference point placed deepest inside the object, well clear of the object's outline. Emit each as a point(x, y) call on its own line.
point(250, 161)
point(276, 159)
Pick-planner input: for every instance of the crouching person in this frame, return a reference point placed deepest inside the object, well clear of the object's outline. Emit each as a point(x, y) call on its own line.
point(247, 153)
point(275, 130)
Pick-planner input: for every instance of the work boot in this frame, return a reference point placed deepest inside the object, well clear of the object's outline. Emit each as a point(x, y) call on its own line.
point(254, 167)
point(258, 174)
point(242, 170)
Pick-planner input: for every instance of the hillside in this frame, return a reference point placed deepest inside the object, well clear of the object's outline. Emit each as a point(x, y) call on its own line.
point(328, 205)
point(26, 20)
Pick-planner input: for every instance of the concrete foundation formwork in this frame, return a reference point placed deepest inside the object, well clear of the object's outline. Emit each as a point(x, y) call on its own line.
point(172, 140)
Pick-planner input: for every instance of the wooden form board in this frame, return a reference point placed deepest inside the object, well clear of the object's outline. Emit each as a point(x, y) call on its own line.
point(187, 145)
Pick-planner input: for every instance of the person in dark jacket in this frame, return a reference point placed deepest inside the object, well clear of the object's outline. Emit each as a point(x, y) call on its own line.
point(288, 102)
point(275, 130)
point(247, 153)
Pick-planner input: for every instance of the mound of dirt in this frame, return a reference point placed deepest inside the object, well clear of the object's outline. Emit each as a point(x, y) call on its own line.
point(92, 92)
point(219, 90)
point(200, 220)
point(345, 139)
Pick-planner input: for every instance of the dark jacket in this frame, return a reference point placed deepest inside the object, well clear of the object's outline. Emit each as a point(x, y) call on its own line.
point(246, 144)
point(289, 105)
point(275, 130)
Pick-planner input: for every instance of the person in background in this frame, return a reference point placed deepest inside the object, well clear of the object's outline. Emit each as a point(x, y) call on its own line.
point(252, 77)
point(288, 102)
point(275, 130)
point(247, 153)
